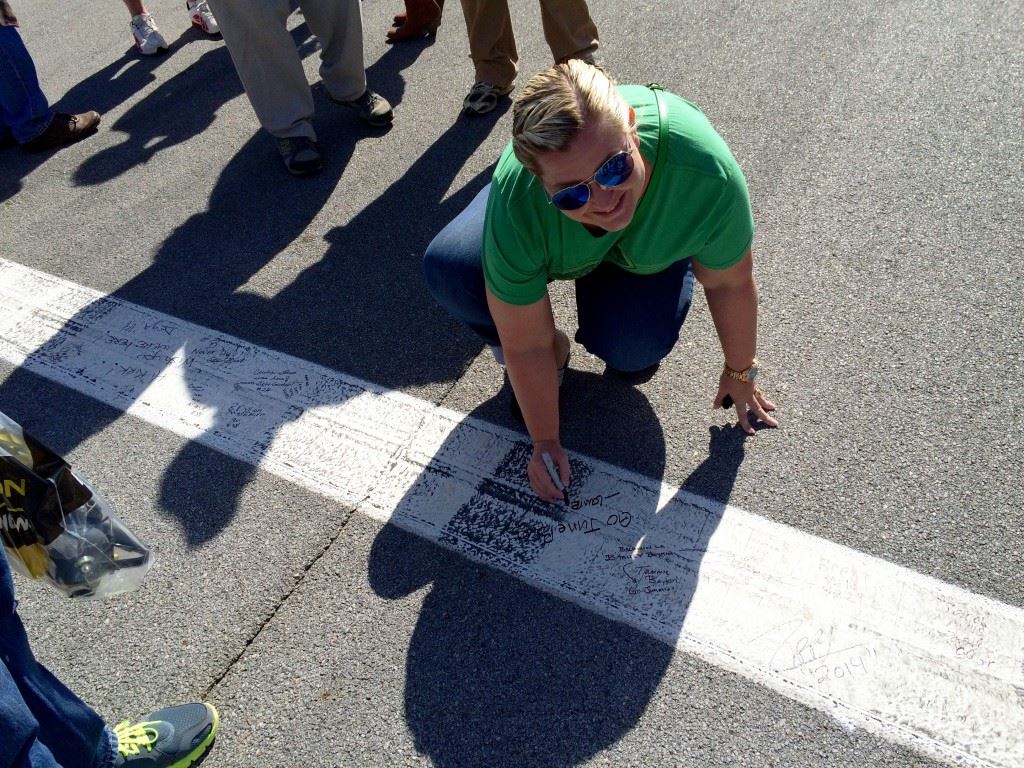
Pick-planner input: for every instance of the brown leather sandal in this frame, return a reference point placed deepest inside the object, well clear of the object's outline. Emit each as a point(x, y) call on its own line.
point(421, 19)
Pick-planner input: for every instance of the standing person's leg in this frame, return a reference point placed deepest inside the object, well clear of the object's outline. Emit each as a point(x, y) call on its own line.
point(20, 746)
point(24, 111)
point(632, 321)
point(492, 44)
point(339, 26)
point(43, 724)
point(268, 64)
point(568, 29)
point(453, 268)
point(492, 47)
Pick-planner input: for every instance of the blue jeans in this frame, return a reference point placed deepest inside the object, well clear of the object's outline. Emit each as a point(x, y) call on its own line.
point(42, 724)
point(24, 111)
point(629, 321)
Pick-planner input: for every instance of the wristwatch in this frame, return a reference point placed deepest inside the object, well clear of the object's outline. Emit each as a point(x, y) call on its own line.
point(747, 374)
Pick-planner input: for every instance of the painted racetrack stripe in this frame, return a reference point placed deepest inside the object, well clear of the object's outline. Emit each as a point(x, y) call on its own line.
point(875, 645)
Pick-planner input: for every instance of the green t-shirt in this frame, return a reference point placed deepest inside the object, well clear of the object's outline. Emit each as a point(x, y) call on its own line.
point(696, 205)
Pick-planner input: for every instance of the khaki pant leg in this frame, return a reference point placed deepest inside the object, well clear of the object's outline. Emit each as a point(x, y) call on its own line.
point(268, 64)
point(492, 45)
point(339, 26)
point(568, 28)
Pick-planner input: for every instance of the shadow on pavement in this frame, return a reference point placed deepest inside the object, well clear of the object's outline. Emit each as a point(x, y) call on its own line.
point(122, 78)
point(498, 672)
point(362, 309)
point(212, 77)
point(178, 110)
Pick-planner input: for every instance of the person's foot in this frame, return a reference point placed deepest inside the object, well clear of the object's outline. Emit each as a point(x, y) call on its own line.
point(146, 35)
point(201, 16)
point(421, 19)
point(301, 155)
point(372, 108)
point(64, 129)
point(175, 737)
point(483, 97)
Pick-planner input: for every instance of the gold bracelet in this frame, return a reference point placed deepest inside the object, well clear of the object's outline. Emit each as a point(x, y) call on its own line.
point(747, 374)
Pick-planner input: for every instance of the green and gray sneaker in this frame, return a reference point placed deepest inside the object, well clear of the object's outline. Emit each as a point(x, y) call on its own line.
point(175, 737)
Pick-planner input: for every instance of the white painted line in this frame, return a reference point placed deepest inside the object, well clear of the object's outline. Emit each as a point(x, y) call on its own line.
point(917, 661)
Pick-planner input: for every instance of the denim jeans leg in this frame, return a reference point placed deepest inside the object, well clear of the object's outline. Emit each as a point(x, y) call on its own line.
point(453, 268)
point(43, 724)
point(24, 111)
point(632, 321)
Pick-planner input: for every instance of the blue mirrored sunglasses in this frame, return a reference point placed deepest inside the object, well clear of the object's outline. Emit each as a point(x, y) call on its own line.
point(613, 172)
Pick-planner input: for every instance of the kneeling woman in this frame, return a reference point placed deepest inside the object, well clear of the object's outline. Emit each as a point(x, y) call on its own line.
point(629, 192)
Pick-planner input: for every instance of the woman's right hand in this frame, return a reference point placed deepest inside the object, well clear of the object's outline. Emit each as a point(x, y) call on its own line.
point(537, 471)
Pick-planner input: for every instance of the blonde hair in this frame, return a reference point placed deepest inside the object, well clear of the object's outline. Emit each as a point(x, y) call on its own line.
point(555, 104)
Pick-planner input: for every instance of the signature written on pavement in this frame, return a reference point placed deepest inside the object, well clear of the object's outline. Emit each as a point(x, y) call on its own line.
point(648, 579)
point(591, 524)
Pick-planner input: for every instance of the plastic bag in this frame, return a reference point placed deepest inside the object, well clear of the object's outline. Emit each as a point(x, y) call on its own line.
point(55, 526)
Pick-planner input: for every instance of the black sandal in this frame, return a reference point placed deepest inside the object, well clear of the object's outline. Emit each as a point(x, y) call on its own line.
point(483, 97)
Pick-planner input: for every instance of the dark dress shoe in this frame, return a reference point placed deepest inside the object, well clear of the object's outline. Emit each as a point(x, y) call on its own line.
point(64, 129)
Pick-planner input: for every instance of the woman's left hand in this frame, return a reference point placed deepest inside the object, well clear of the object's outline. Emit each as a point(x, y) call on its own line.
point(748, 399)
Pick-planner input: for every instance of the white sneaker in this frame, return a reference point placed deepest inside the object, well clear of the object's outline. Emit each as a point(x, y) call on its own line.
point(202, 17)
point(147, 37)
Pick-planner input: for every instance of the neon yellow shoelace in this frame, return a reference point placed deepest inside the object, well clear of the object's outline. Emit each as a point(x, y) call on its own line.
point(131, 737)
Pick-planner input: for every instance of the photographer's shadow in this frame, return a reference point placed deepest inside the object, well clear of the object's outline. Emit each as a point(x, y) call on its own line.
point(364, 297)
point(500, 673)
point(200, 274)
point(177, 111)
point(102, 91)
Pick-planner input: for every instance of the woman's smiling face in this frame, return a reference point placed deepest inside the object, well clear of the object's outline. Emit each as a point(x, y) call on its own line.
point(609, 208)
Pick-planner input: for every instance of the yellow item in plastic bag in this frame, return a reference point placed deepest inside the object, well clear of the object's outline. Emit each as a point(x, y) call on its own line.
point(13, 442)
point(54, 526)
point(34, 558)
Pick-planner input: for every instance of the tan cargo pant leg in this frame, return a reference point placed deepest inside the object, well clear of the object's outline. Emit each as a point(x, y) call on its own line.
point(568, 29)
point(492, 45)
point(339, 26)
point(268, 64)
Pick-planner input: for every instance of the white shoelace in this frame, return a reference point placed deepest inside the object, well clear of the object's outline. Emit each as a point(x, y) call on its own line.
point(144, 23)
